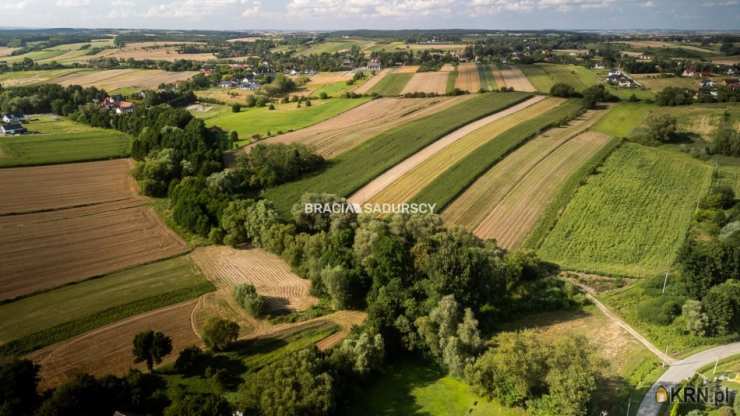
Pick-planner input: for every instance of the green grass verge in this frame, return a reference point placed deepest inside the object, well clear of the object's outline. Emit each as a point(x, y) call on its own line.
point(451, 80)
point(53, 139)
point(550, 216)
point(671, 337)
point(360, 165)
point(632, 217)
point(450, 184)
point(334, 89)
point(285, 117)
point(48, 317)
point(486, 77)
point(417, 388)
point(538, 77)
point(391, 85)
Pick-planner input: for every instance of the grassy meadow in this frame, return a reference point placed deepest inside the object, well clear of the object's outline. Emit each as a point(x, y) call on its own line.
point(446, 187)
point(54, 139)
point(623, 119)
point(632, 216)
point(391, 85)
point(284, 118)
point(417, 388)
point(360, 165)
point(544, 76)
point(55, 315)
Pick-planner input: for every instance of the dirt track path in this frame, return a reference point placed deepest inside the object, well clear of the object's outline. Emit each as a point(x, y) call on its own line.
point(365, 193)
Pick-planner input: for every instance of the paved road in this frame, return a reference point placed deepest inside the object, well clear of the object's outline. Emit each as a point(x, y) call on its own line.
point(678, 370)
point(682, 370)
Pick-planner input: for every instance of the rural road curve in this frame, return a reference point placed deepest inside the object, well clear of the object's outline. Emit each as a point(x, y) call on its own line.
point(683, 369)
point(678, 370)
point(391, 175)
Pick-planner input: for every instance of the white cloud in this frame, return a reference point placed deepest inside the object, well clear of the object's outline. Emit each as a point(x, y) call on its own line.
point(16, 5)
point(253, 9)
point(649, 3)
point(73, 3)
point(189, 8)
point(121, 9)
point(370, 8)
point(721, 3)
point(481, 7)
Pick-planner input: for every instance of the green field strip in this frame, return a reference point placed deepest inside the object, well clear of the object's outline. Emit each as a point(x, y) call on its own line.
point(391, 85)
point(632, 217)
point(451, 80)
point(459, 176)
point(355, 168)
point(551, 214)
point(486, 78)
point(48, 317)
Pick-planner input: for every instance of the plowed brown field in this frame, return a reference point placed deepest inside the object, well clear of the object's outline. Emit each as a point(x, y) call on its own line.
point(108, 350)
point(45, 188)
point(351, 128)
point(468, 78)
point(66, 223)
point(407, 69)
point(427, 82)
point(228, 267)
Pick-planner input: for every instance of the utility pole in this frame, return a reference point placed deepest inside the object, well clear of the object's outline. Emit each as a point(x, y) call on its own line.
point(716, 363)
point(629, 405)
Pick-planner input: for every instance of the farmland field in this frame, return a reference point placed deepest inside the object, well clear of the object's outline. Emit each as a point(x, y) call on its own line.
point(428, 82)
point(544, 76)
point(631, 218)
point(74, 222)
point(401, 182)
point(52, 316)
point(487, 80)
point(372, 82)
point(269, 274)
point(351, 128)
point(468, 78)
point(46, 188)
point(156, 51)
point(285, 117)
point(450, 184)
point(107, 350)
point(225, 95)
point(392, 84)
point(623, 119)
point(517, 173)
point(114, 79)
point(355, 168)
point(512, 78)
point(54, 139)
point(65, 53)
point(22, 78)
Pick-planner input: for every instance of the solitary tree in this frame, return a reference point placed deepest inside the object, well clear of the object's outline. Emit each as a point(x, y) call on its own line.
point(219, 333)
point(151, 347)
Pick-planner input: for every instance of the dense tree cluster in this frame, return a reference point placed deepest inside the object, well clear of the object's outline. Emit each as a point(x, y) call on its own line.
point(247, 297)
point(674, 96)
point(726, 140)
point(597, 94)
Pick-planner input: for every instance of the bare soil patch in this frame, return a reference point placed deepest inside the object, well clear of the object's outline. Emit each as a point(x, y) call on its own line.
point(42, 188)
point(108, 350)
point(351, 128)
point(330, 77)
point(271, 276)
point(6, 51)
point(407, 69)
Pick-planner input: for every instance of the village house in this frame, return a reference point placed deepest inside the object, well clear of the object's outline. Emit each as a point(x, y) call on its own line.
point(117, 104)
point(12, 129)
point(374, 65)
point(619, 78)
point(14, 118)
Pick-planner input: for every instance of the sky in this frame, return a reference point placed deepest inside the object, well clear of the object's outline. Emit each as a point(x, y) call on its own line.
point(374, 14)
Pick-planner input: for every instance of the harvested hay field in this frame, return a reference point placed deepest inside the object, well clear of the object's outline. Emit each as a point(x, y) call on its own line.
point(333, 137)
point(270, 275)
point(44, 250)
point(427, 82)
point(447, 68)
point(372, 82)
point(517, 213)
point(513, 78)
point(124, 78)
point(474, 205)
point(403, 187)
point(44, 188)
point(108, 350)
point(22, 78)
point(330, 77)
point(727, 60)
point(6, 51)
point(468, 78)
point(407, 69)
point(156, 51)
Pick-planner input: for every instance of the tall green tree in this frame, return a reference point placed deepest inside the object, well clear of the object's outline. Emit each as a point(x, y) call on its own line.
point(151, 347)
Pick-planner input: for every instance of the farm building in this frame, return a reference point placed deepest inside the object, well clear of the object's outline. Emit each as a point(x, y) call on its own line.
point(12, 128)
point(14, 118)
point(621, 79)
point(375, 65)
